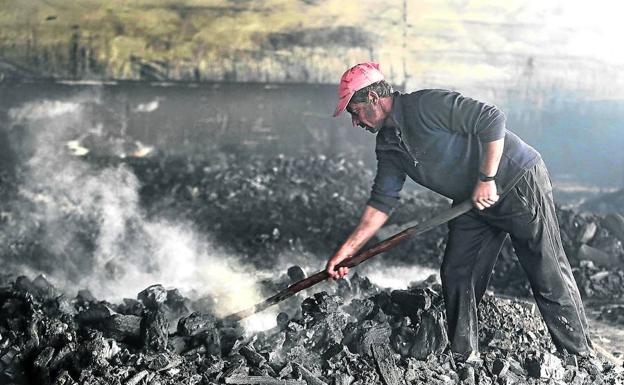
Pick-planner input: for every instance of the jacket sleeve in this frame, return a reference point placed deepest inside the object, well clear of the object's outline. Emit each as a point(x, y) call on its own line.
point(456, 112)
point(388, 182)
point(491, 123)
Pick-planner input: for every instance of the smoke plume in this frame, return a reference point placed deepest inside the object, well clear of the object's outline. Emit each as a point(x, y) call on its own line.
point(89, 221)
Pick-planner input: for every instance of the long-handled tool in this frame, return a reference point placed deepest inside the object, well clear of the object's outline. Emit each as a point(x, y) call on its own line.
point(360, 257)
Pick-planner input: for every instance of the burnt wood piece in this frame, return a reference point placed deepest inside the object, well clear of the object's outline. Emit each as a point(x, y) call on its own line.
point(308, 376)
point(253, 358)
point(154, 330)
point(390, 372)
point(134, 380)
point(261, 380)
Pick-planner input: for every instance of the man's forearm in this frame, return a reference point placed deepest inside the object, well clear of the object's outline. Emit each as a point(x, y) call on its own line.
point(371, 221)
point(485, 193)
point(492, 157)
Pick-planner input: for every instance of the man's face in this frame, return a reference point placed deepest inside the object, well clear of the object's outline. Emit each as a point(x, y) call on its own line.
point(367, 115)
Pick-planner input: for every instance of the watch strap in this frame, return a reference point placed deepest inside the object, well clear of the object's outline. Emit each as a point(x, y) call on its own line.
point(486, 178)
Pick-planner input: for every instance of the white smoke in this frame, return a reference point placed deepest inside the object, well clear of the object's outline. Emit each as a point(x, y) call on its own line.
point(397, 277)
point(148, 107)
point(130, 251)
point(47, 109)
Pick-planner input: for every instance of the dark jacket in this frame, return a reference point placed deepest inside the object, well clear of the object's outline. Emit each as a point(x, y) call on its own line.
point(439, 143)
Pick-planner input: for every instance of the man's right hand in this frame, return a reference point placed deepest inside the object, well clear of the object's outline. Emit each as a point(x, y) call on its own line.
point(372, 219)
point(334, 273)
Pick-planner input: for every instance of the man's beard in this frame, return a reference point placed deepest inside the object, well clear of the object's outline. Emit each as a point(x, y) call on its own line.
point(375, 129)
point(372, 130)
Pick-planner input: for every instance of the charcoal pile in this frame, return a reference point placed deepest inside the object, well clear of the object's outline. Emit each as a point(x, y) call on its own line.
point(258, 208)
point(310, 204)
point(612, 202)
point(594, 246)
point(355, 334)
point(255, 207)
point(265, 206)
point(612, 313)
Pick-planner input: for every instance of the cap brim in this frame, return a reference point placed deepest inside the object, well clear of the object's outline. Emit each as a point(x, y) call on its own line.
point(342, 104)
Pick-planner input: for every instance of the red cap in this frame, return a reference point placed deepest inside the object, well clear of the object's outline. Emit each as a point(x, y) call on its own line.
point(354, 79)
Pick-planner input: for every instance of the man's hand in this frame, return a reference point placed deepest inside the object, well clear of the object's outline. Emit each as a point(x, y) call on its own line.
point(484, 195)
point(372, 219)
point(331, 266)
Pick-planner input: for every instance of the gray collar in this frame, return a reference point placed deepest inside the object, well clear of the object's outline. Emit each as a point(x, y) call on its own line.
point(397, 110)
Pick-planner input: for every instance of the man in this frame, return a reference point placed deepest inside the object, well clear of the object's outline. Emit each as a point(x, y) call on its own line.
point(460, 148)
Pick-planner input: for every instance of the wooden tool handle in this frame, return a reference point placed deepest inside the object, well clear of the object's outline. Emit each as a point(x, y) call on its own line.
point(360, 257)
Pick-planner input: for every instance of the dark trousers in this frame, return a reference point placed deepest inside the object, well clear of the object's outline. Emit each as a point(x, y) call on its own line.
point(527, 214)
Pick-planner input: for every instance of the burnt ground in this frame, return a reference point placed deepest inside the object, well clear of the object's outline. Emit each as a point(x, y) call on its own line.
point(355, 333)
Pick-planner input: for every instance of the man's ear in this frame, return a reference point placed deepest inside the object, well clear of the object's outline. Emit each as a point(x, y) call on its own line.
point(373, 97)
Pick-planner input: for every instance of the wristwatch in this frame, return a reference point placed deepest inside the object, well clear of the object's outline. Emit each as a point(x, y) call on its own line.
point(485, 178)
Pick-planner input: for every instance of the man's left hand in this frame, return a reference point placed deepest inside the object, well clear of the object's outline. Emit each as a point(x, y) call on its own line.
point(484, 195)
